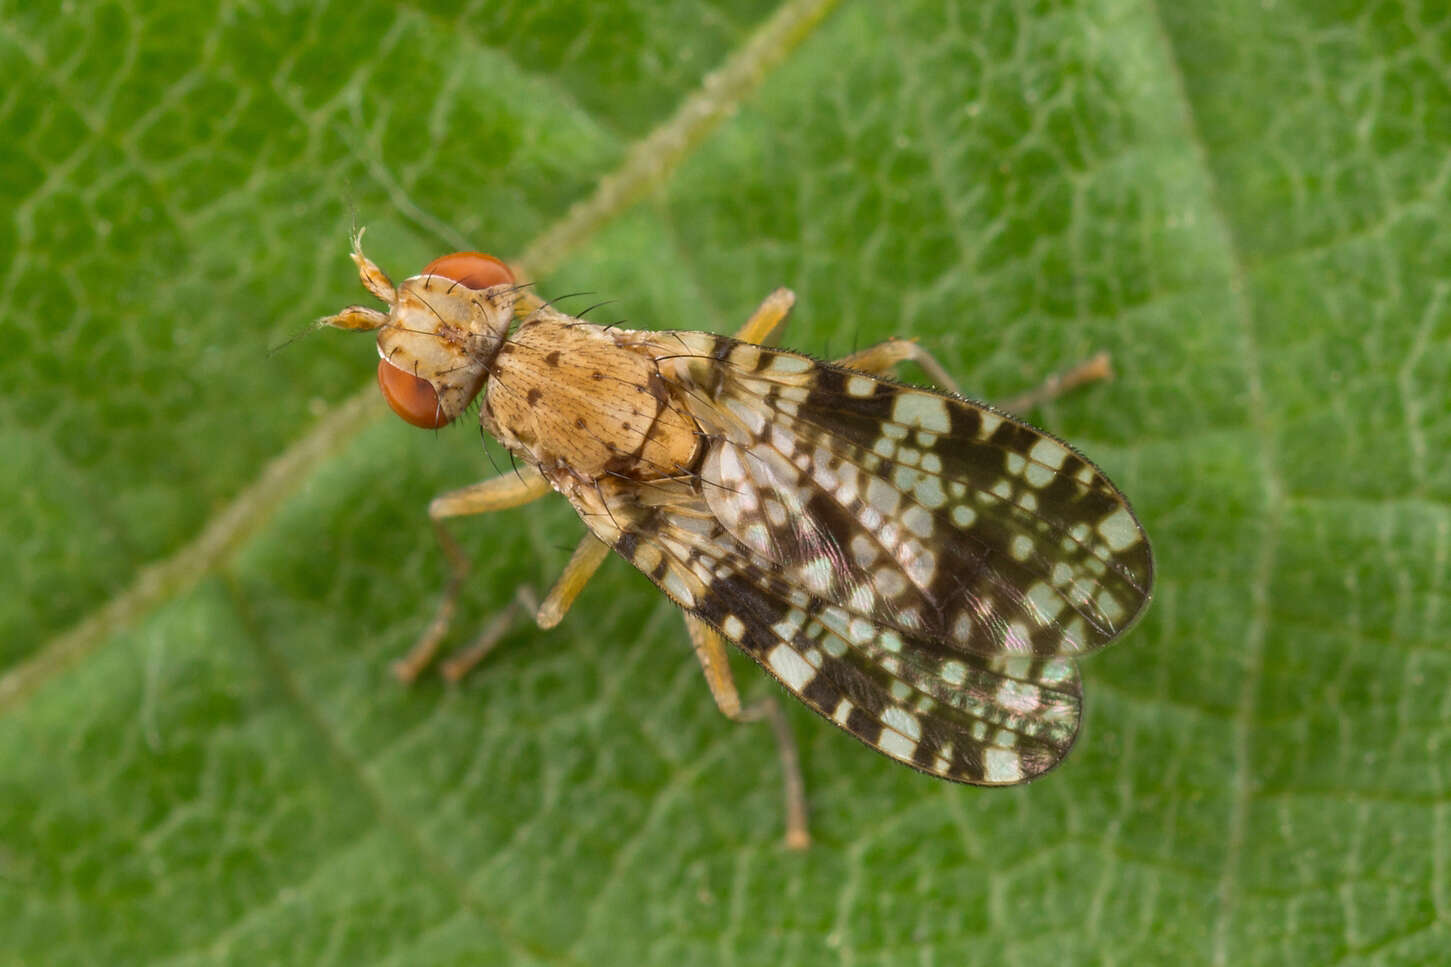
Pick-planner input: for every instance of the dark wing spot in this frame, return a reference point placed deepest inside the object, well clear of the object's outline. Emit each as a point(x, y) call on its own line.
point(552, 359)
point(533, 396)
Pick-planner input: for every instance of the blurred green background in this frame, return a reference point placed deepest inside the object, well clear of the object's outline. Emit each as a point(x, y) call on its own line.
point(202, 757)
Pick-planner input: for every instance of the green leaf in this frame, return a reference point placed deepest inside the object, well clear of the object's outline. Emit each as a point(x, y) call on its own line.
point(215, 551)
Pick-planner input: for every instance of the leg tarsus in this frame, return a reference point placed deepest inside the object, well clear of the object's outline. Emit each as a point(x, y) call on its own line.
point(885, 356)
point(460, 664)
point(768, 709)
point(498, 493)
point(421, 655)
point(1097, 369)
point(710, 649)
point(586, 559)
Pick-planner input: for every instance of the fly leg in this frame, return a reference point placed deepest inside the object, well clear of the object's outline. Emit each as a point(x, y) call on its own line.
point(587, 558)
point(769, 320)
point(886, 356)
point(710, 648)
point(500, 493)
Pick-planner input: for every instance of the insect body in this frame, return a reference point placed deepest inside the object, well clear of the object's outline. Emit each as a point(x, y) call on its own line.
point(920, 569)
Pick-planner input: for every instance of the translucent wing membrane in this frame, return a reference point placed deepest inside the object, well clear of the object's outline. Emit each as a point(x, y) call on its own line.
point(918, 568)
point(931, 514)
point(986, 721)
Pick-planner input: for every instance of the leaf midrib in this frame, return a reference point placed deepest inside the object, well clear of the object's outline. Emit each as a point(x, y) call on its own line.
point(1259, 419)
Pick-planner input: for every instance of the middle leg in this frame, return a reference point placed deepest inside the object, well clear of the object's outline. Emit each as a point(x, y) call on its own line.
point(499, 493)
point(886, 356)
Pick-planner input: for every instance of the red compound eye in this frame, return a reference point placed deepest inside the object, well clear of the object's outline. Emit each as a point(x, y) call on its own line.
point(473, 269)
point(412, 398)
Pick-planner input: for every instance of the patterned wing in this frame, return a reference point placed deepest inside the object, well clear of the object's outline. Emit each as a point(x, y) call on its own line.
point(924, 513)
point(986, 721)
point(917, 568)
